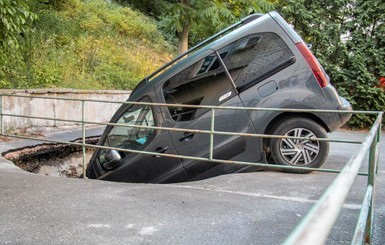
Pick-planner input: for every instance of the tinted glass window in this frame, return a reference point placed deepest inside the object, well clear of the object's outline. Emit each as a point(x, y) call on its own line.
point(255, 55)
point(204, 83)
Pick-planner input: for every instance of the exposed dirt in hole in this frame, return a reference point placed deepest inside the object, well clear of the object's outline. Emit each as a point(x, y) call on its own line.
point(52, 159)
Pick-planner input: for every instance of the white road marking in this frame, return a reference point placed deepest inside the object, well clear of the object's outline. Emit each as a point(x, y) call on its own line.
point(284, 198)
point(99, 226)
point(147, 230)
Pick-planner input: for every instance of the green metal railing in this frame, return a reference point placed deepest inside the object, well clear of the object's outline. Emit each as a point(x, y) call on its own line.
point(316, 226)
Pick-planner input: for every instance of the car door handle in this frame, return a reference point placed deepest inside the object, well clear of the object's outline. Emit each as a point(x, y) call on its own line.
point(187, 136)
point(160, 150)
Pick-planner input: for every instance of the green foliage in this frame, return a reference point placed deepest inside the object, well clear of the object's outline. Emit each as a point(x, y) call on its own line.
point(223, 13)
point(198, 18)
point(348, 38)
point(208, 17)
point(153, 8)
point(85, 45)
point(15, 19)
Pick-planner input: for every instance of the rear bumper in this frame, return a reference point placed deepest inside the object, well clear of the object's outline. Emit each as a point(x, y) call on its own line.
point(345, 106)
point(333, 101)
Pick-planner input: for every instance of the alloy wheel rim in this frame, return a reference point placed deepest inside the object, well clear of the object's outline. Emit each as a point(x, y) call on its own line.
point(299, 151)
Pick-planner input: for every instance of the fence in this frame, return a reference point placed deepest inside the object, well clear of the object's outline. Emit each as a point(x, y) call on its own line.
point(57, 108)
point(317, 224)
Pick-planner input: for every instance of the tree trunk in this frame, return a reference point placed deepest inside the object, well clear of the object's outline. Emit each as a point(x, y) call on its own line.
point(183, 35)
point(183, 39)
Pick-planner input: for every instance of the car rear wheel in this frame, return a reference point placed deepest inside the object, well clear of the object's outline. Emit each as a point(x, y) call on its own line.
point(299, 152)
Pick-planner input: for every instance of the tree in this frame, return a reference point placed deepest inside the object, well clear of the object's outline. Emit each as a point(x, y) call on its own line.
point(348, 38)
point(15, 19)
point(364, 64)
point(204, 17)
point(199, 18)
point(15, 22)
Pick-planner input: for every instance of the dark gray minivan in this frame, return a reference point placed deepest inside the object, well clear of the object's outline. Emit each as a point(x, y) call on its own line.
point(258, 62)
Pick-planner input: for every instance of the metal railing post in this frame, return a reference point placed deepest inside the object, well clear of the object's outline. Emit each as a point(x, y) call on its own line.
point(379, 139)
point(372, 174)
point(212, 128)
point(1, 115)
point(359, 232)
point(371, 180)
point(83, 140)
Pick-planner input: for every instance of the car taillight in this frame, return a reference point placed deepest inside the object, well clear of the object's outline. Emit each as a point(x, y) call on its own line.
point(314, 65)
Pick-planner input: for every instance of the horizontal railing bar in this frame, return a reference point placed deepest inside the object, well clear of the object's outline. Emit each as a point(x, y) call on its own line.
point(42, 118)
point(317, 224)
point(188, 130)
point(264, 165)
point(227, 133)
point(200, 106)
point(359, 232)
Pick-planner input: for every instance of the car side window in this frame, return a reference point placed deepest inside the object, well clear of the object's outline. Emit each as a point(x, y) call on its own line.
point(130, 137)
point(203, 83)
point(254, 56)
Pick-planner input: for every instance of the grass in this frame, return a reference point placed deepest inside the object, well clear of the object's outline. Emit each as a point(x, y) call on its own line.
point(89, 44)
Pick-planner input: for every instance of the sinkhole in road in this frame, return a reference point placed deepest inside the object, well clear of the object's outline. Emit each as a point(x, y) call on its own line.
point(52, 159)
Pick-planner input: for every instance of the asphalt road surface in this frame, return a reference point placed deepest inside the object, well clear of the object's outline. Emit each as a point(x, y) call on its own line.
point(247, 208)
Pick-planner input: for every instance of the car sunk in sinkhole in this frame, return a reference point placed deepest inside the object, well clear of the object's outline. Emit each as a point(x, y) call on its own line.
point(258, 62)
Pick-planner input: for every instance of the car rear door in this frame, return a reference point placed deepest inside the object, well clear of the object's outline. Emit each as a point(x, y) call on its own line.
point(206, 83)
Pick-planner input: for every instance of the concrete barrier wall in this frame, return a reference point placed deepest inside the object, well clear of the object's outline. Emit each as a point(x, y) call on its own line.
point(56, 108)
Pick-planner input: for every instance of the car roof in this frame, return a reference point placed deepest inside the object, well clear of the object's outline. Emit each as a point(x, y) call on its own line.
point(215, 42)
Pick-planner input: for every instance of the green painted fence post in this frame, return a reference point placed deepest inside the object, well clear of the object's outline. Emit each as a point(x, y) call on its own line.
point(1, 115)
point(83, 140)
point(212, 134)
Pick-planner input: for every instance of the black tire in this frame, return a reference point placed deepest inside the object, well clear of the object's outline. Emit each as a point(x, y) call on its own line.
point(301, 153)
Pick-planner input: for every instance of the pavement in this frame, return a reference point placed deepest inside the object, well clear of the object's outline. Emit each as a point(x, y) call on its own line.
point(247, 208)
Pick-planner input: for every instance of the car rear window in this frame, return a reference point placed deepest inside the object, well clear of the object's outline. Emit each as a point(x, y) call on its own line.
point(255, 55)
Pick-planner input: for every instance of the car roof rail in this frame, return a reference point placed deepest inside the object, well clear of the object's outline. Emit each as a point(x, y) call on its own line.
point(251, 18)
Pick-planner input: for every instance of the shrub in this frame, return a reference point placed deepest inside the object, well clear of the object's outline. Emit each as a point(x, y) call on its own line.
point(86, 45)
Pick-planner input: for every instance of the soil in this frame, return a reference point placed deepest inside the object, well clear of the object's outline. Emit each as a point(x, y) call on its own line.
point(52, 159)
